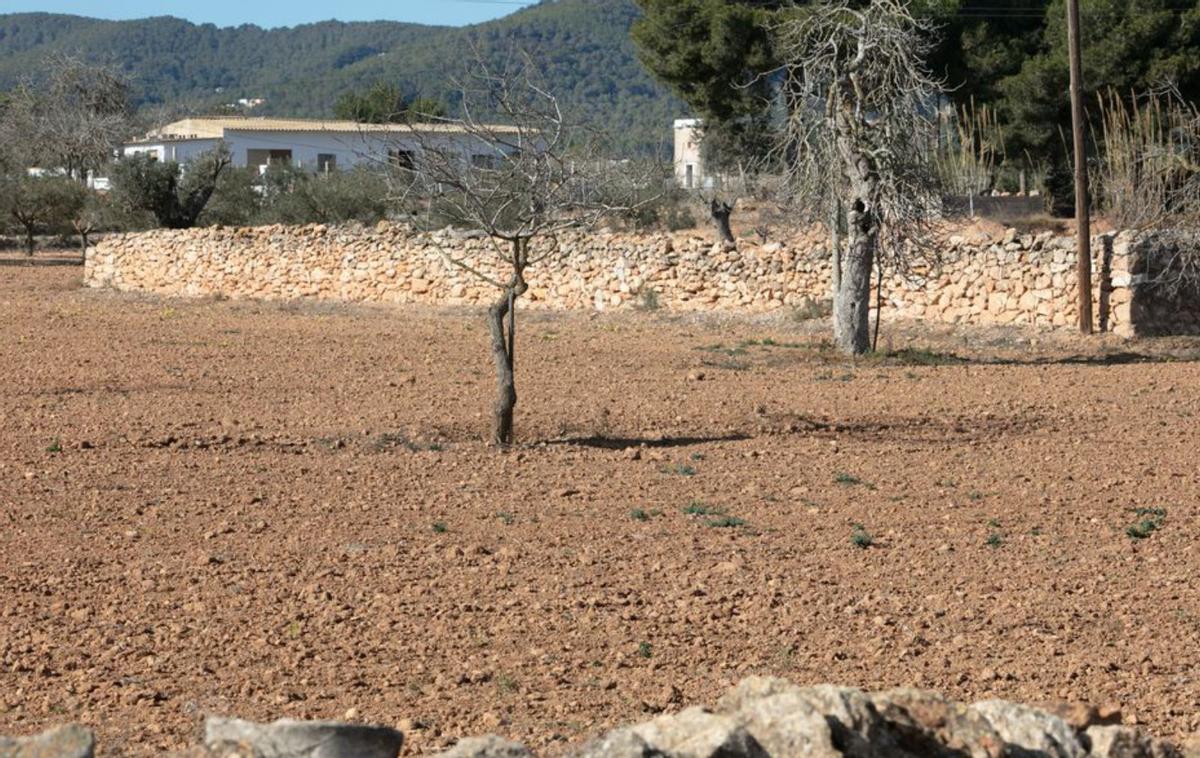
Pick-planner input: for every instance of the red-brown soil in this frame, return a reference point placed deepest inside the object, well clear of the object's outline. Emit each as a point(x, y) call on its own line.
point(274, 510)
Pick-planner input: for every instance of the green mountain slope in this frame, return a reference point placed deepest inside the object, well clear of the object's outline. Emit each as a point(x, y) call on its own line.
point(581, 46)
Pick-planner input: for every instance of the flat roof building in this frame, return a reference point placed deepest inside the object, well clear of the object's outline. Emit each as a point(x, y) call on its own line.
point(316, 144)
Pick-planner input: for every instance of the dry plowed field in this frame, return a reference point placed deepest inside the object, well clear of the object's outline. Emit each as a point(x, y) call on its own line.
point(272, 510)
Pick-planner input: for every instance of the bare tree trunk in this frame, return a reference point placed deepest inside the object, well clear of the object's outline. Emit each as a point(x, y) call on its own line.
point(506, 388)
point(878, 301)
point(853, 306)
point(29, 243)
point(835, 238)
point(852, 323)
point(504, 345)
point(721, 211)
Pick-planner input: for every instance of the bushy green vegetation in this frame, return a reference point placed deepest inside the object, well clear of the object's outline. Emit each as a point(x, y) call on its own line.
point(1150, 520)
point(296, 196)
point(1127, 47)
point(860, 537)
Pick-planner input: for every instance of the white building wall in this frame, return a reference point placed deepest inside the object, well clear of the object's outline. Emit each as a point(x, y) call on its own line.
point(689, 168)
point(180, 151)
point(348, 148)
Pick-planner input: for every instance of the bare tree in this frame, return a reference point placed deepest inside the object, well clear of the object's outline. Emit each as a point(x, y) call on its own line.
point(855, 150)
point(515, 168)
point(72, 120)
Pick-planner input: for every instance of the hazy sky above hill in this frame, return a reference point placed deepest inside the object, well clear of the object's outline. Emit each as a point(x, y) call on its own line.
point(271, 13)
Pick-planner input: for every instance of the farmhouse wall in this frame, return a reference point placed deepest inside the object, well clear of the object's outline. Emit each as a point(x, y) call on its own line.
point(1016, 279)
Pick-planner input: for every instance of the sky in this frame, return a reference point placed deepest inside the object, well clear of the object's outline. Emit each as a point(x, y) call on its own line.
point(272, 13)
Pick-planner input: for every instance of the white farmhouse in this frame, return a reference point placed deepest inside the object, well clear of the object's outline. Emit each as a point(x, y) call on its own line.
point(313, 144)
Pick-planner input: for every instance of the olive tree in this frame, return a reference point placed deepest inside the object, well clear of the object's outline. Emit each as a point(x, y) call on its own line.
point(41, 204)
point(98, 213)
point(294, 195)
point(176, 195)
point(855, 150)
point(514, 167)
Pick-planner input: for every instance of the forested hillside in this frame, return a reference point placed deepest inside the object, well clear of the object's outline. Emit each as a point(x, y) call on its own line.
point(582, 46)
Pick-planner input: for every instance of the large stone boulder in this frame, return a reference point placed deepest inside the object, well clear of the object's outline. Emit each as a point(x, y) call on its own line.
point(926, 723)
point(303, 739)
point(620, 743)
point(71, 741)
point(1032, 730)
point(1126, 742)
point(691, 733)
point(487, 747)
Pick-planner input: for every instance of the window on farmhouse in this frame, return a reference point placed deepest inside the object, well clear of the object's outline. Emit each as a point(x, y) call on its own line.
point(259, 158)
point(486, 162)
point(402, 159)
point(326, 162)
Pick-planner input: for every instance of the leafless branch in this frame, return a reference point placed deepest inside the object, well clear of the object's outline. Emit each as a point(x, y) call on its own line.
point(511, 165)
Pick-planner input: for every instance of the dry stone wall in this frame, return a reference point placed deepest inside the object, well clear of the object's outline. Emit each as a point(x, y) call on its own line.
point(1014, 279)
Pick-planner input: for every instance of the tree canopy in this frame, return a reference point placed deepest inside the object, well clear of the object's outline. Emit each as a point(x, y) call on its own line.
point(71, 118)
point(1009, 54)
point(385, 103)
point(40, 204)
point(712, 53)
point(1128, 46)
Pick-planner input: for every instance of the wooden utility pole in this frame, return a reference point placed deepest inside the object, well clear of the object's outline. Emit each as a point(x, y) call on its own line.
point(1083, 225)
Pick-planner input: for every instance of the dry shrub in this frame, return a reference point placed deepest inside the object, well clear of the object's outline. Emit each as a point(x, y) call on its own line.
point(970, 151)
point(1147, 178)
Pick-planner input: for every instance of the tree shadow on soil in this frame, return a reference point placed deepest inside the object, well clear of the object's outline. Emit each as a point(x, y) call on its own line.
point(913, 429)
point(621, 443)
point(67, 261)
point(1107, 359)
point(913, 357)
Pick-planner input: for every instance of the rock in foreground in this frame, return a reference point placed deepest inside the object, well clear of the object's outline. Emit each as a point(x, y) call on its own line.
point(72, 741)
point(773, 718)
point(310, 739)
point(760, 718)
